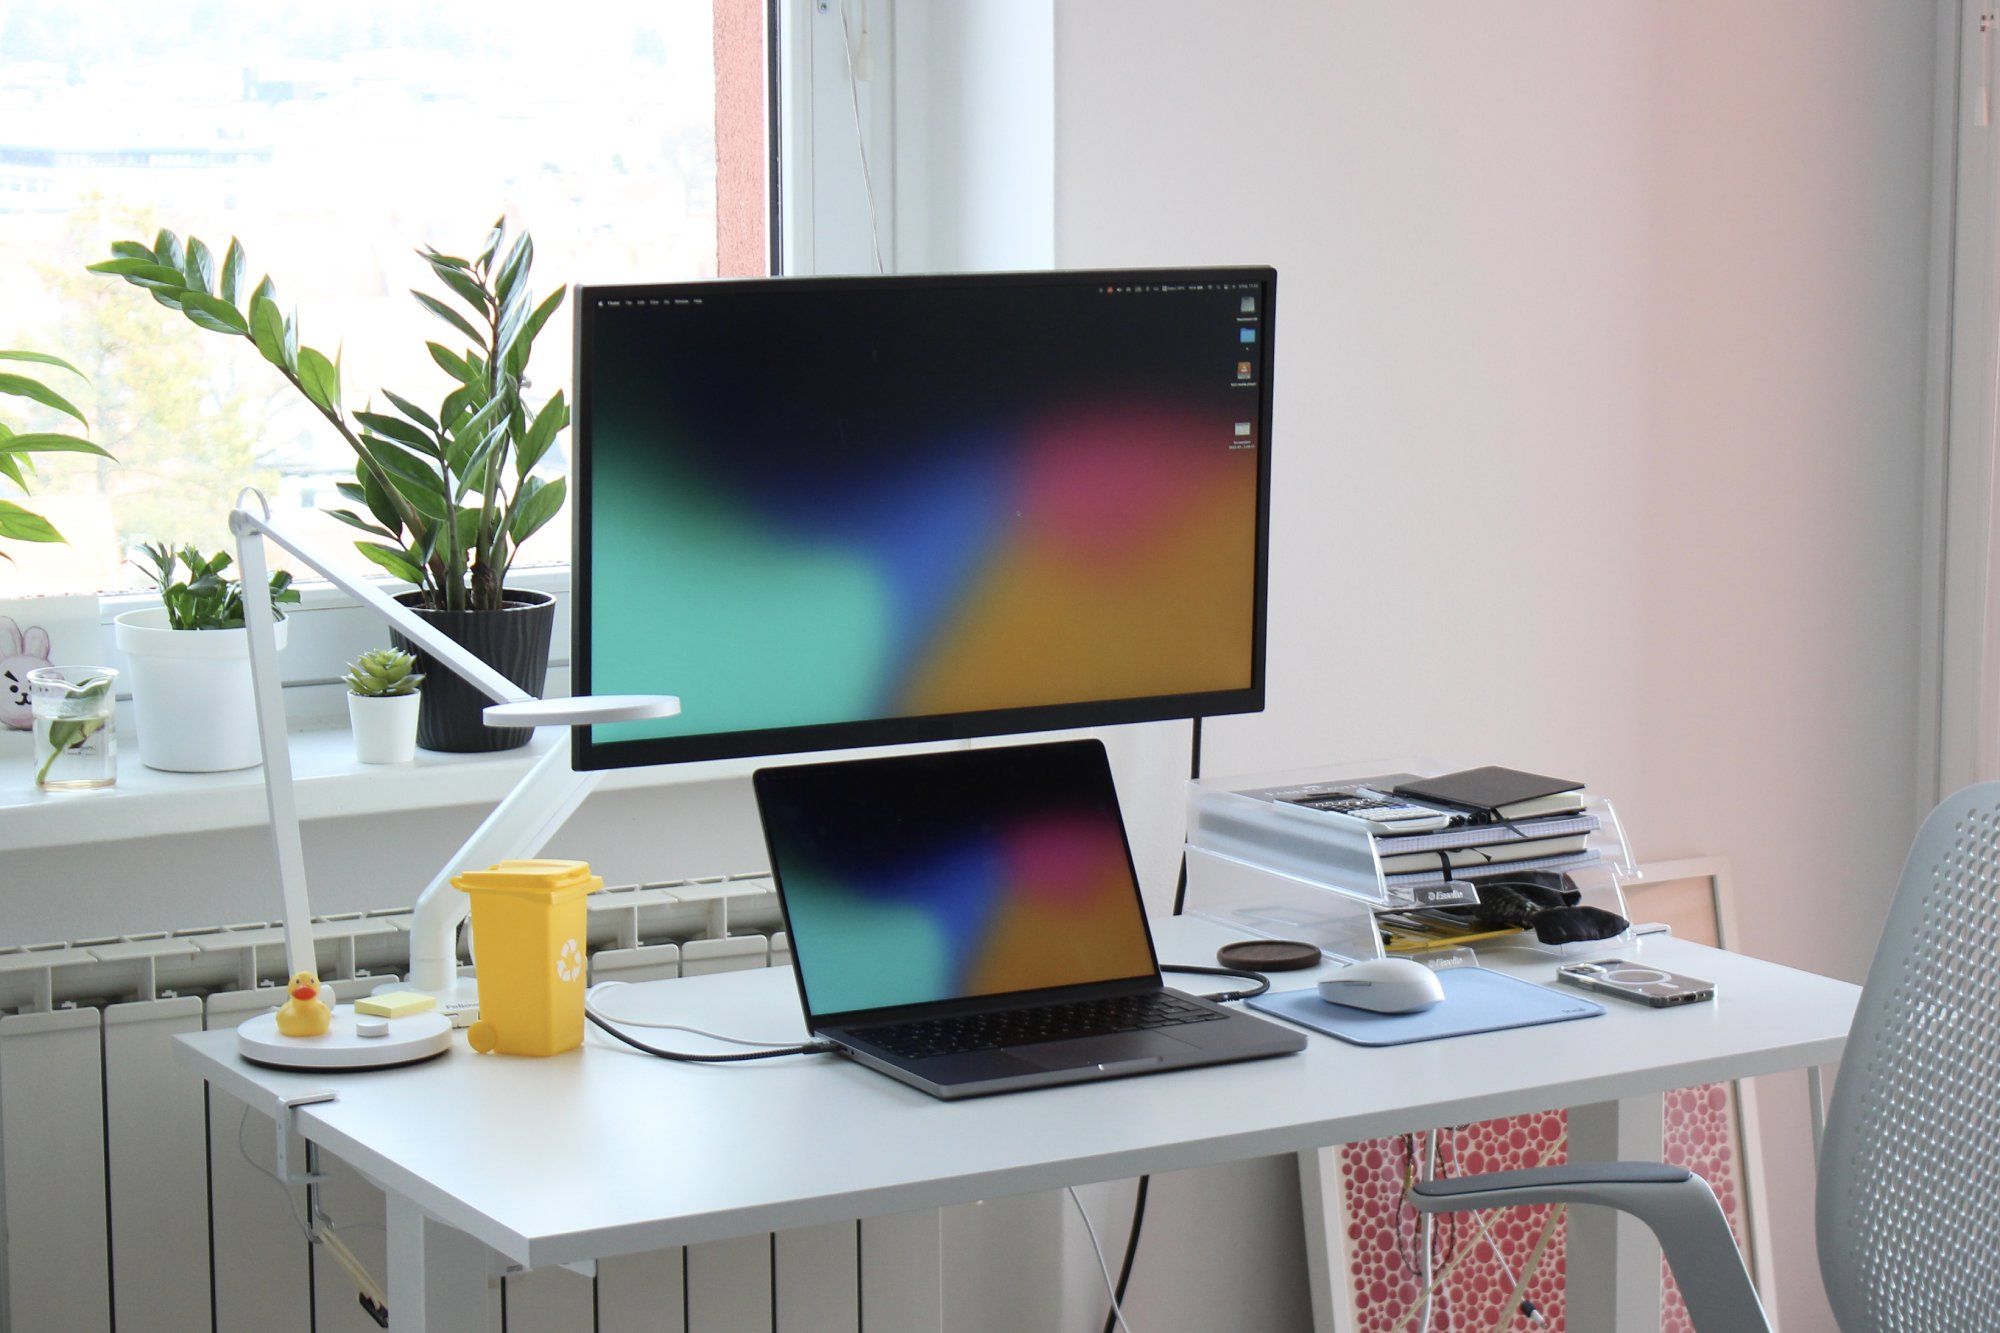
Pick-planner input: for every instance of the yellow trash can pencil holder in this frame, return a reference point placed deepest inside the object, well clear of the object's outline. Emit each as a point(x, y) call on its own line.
point(528, 937)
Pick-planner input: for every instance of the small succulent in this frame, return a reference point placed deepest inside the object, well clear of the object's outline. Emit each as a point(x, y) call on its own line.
point(384, 673)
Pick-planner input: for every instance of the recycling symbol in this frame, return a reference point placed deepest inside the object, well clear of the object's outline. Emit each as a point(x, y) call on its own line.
point(569, 962)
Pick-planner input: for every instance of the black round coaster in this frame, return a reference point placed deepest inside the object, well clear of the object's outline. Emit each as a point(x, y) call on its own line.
point(1269, 955)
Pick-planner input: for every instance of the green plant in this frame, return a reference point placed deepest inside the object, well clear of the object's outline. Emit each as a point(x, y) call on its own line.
point(385, 673)
point(450, 494)
point(16, 447)
point(66, 733)
point(204, 599)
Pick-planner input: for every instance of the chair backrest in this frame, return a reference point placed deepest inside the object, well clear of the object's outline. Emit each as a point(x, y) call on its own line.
point(1909, 1180)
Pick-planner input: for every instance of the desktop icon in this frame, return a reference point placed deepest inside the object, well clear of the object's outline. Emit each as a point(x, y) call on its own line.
point(1247, 335)
point(1243, 370)
point(1242, 430)
point(1248, 305)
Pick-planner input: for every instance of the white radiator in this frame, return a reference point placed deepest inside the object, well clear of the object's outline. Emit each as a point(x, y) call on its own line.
point(131, 1198)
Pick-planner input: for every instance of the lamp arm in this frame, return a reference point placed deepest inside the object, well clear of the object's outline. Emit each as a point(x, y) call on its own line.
point(519, 827)
point(444, 650)
point(260, 623)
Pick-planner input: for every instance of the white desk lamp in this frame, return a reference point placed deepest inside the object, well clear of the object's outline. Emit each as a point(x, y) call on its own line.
point(519, 827)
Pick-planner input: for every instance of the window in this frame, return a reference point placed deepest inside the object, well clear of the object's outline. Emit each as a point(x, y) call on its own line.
point(334, 140)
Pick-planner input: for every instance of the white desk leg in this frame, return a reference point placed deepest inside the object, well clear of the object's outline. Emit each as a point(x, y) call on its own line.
point(1326, 1239)
point(437, 1275)
point(1613, 1263)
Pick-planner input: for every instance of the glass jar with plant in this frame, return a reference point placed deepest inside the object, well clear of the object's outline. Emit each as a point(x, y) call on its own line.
point(444, 496)
point(382, 702)
point(190, 659)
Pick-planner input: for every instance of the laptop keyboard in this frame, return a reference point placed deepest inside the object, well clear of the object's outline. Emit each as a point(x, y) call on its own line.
point(1025, 1027)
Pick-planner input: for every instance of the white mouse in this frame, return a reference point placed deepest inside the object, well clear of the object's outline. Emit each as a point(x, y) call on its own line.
point(1384, 985)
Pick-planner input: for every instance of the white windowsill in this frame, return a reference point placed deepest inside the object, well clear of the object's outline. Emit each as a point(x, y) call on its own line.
point(329, 783)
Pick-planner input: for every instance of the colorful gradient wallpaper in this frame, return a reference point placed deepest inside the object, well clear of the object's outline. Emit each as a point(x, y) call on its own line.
point(940, 876)
point(827, 505)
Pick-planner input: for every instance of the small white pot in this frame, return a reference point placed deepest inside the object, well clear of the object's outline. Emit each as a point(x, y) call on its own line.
point(191, 691)
point(385, 728)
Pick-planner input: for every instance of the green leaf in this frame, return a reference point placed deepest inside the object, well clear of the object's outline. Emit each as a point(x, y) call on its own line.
point(523, 340)
point(14, 469)
point(467, 288)
point(42, 358)
point(24, 525)
point(541, 433)
point(397, 429)
point(49, 444)
point(167, 250)
point(435, 257)
point(213, 313)
point(493, 239)
point(535, 506)
point(199, 265)
point(354, 520)
point(133, 250)
point(515, 267)
point(395, 561)
point(319, 380)
point(144, 272)
point(449, 316)
point(23, 387)
point(267, 327)
point(375, 494)
point(412, 411)
point(232, 272)
point(454, 365)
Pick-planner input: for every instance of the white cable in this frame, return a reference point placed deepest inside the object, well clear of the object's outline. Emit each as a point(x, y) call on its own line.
point(591, 1009)
point(1110, 1287)
point(860, 141)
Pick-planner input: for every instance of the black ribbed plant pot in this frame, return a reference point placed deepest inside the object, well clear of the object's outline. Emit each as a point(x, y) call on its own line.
point(513, 641)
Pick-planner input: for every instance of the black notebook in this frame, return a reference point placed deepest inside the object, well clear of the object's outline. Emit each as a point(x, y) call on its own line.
point(1490, 792)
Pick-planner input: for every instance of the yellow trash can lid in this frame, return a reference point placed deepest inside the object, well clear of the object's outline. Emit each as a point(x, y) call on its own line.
point(553, 880)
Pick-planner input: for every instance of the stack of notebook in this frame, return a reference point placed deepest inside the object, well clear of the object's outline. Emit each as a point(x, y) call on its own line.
point(1504, 821)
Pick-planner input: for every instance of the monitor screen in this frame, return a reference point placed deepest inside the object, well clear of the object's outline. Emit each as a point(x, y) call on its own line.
point(842, 512)
point(932, 877)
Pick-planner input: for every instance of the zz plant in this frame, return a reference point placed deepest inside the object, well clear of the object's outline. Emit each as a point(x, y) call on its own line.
point(203, 599)
point(18, 447)
point(446, 494)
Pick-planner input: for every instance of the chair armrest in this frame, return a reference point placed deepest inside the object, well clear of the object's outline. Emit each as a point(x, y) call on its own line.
point(1675, 1203)
point(1464, 1192)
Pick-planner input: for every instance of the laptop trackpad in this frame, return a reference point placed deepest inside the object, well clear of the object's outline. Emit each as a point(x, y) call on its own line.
point(1115, 1049)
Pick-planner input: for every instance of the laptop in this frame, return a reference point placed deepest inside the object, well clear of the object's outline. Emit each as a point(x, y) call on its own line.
point(969, 922)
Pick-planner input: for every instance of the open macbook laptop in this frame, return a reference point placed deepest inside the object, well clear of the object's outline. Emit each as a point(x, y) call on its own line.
point(969, 922)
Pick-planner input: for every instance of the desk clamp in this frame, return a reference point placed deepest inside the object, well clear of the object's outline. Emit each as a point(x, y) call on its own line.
point(284, 1115)
point(319, 1227)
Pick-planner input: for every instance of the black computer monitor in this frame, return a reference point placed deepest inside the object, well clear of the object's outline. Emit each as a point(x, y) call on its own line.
point(864, 511)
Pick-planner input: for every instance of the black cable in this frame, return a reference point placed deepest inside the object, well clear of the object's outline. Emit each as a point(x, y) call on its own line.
point(1146, 1182)
point(804, 1048)
point(1131, 1252)
point(1194, 772)
point(1263, 982)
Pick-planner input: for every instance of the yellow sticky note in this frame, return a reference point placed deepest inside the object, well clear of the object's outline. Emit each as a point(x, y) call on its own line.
point(395, 1004)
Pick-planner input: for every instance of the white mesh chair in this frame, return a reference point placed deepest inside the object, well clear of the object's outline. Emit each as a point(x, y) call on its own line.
point(1909, 1175)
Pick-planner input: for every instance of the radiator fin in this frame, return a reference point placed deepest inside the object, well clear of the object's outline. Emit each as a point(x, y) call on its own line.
point(52, 1115)
point(156, 1126)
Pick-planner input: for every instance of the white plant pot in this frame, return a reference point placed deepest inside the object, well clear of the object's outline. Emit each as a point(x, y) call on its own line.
point(385, 728)
point(196, 712)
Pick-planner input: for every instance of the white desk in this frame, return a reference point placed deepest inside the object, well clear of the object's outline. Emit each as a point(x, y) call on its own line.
point(605, 1151)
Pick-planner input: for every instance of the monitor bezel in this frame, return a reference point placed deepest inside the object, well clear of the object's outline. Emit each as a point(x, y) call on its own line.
point(588, 754)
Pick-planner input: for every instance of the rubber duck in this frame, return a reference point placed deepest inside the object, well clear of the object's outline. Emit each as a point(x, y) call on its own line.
point(305, 1014)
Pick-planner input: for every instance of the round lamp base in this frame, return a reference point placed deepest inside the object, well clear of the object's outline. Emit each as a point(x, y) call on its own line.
point(417, 1037)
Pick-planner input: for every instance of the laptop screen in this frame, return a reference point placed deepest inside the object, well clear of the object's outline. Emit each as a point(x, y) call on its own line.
point(932, 877)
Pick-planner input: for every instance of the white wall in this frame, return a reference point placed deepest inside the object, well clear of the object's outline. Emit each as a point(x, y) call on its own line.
point(1602, 325)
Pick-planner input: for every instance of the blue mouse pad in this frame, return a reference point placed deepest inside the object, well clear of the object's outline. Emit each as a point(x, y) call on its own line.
point(1475, 1000)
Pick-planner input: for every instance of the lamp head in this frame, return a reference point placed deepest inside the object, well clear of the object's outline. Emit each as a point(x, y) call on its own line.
point(586, 711)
